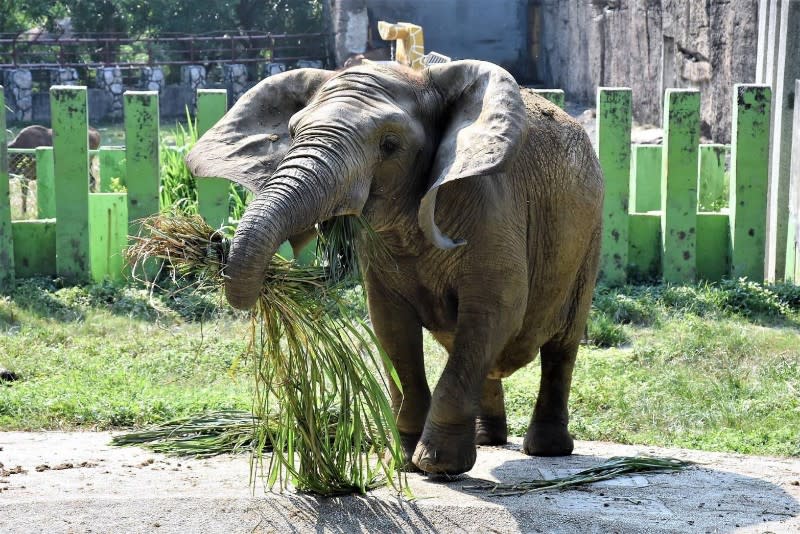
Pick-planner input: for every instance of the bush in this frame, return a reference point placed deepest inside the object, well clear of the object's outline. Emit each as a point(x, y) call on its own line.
point(626, 309)
point(750, 298)
point(604, 332)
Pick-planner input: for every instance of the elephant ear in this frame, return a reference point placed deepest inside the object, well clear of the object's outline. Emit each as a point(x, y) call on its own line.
point(486, 126)
point(249, 142)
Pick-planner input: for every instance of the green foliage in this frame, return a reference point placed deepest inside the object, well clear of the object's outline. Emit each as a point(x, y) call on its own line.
point(178, 192)
point(154, 17)
point(178, 189)
point(752, 299)
point(605, 332)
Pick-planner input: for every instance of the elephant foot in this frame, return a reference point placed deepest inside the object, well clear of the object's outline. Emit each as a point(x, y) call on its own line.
point(408, 442)
point(491, 430)
point(547, 439)
point(446, 449)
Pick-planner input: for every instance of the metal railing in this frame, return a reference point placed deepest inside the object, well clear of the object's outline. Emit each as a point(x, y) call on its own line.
point(21, 50)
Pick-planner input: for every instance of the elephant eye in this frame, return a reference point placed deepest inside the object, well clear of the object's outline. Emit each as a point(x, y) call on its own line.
point(389, 144)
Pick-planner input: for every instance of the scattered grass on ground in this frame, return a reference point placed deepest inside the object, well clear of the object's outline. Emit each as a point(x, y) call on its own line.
point(714, 367)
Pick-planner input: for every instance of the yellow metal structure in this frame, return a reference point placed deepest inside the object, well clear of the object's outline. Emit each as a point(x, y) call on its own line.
point(410, 47)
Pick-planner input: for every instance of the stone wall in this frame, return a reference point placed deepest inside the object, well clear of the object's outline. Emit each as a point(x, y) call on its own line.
point(28, 101)
point(649, 45)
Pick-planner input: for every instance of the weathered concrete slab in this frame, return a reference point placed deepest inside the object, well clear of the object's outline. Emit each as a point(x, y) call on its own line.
point(110, 489)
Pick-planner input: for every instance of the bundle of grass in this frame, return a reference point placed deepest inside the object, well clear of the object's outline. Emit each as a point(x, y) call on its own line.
point(203, 436)
point(320, 402)
point(612, 468)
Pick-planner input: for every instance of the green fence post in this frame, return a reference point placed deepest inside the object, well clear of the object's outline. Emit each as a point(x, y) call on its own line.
point(644, 247)
point(679, 185)
point(71, 168)
point(792, 271)
point(45, 183)
point(749, 179)
point(645, 181)
point(711, 188)
point(614, 152)
point(7, 276)
point(556, 96)
point(108, 219)
point(35, 247)
point(713, 246)
point(112, 166)
point(141, 156)
point(212, 193)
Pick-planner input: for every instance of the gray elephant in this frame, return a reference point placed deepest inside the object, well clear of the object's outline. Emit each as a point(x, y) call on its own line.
point(33, 137)
point(489, 202)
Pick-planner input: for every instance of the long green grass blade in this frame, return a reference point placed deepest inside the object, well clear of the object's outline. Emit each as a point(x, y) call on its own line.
point(320, 401)
point(612, 468)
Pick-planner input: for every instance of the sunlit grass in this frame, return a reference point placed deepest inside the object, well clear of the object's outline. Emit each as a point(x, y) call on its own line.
point(695, 372)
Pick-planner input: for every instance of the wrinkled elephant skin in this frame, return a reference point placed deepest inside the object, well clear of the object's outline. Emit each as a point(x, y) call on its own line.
point(488, 199)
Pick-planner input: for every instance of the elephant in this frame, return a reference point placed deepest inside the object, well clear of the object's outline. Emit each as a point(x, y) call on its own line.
point(488, 202)
point(32, 137)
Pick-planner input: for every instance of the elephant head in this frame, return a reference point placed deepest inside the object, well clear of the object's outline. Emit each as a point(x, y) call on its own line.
point(313, 144)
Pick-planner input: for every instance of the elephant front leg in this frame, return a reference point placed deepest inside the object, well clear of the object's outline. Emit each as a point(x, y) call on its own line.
point(547, 433)
point(490, 425)
point(447, 445)
point(400, 334)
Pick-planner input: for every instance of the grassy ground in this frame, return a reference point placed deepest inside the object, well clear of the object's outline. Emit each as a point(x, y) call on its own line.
point(714, 367)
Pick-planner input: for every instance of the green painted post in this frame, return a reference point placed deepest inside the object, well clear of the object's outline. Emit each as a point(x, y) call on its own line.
point(614, 152)
point(644, 247)
point(108, 219)
point(711, 188)
point(45, 183)
point(792, 270)
point(749, 179)
point(713, 239)
point(141, 156)
point(679, 185)
point(71, 168)
point(35, 247)
point(212, 193)
point(556, 96)
point(112, 167)
point(7, 276)
point(645, 186)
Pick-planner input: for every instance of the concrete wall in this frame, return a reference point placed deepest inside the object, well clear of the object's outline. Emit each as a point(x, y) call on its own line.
point(650, 45)
point(495, 30)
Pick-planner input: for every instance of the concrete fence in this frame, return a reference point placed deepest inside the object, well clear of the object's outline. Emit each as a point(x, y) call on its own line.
point(676, 212)
point(653, 227)
point(80, 235)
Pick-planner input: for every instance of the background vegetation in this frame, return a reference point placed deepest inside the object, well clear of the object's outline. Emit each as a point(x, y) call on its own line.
point(713, 367)
point(154, 17)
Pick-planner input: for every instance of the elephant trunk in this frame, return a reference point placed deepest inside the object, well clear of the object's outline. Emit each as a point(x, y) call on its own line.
point(299, 195)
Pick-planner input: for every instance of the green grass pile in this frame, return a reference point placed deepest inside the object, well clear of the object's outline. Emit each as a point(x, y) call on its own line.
point(320, 401)
point(611, 468)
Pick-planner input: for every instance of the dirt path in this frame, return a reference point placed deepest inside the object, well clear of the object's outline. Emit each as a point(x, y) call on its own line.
point(75, 482)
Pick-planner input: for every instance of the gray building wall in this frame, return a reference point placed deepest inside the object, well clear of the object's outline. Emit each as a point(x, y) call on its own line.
point(490, 30)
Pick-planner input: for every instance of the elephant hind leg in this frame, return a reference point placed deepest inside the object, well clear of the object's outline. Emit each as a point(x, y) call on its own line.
point(547, 433)
point(490, 425)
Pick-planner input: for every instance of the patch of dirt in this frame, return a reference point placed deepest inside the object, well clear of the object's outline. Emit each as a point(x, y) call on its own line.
point(16, 470)
point(61, 467)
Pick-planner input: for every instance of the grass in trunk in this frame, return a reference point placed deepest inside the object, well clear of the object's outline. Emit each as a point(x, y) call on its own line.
point(320, 403)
